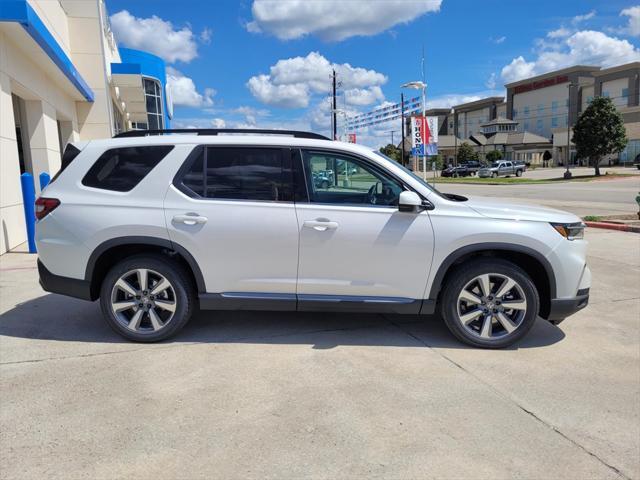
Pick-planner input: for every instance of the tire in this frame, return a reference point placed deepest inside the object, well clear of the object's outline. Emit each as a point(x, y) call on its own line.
point(464, 283)
point(518, 173)
point(494, 175)
point(455, 175)
point(324, 185)
point(172, 306)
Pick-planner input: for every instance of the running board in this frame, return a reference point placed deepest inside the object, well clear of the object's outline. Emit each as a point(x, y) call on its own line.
point(314, 303)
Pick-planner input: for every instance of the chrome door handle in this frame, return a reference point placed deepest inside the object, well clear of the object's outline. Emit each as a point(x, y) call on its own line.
point(320, 225)
point(189, 219)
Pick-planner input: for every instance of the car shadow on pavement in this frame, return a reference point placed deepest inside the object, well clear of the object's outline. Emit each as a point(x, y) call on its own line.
point(58, 318)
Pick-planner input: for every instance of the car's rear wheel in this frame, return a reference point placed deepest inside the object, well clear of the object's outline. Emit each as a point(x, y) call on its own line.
point(518, 173)
point(489, 303)
point(147, 298)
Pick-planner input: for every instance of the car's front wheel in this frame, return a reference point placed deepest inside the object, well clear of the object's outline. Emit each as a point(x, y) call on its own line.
point(147, 298)
point(489, 303)
point(494, 175)
point(518, 173)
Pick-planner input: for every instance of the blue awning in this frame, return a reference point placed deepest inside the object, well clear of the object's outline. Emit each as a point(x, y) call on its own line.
point(19, 11)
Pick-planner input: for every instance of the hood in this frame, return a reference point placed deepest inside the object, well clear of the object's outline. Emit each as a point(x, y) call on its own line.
point(513, 211)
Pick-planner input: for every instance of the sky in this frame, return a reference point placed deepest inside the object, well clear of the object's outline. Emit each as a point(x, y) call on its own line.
point(267, 63)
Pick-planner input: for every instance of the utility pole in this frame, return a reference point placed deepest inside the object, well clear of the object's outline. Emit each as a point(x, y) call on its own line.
point(392, 132)
point(402, 120)
point(335, 106)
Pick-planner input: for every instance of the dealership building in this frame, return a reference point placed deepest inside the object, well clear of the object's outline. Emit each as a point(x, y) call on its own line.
point(533, 123)
point(63, 79)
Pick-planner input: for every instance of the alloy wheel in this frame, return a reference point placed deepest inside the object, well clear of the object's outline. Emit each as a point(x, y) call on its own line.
point(491, 306)
point(143, 301)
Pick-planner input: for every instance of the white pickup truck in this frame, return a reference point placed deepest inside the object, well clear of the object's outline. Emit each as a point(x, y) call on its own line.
point(502, 168)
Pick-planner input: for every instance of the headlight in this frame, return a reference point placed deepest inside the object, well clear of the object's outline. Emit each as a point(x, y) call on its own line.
point(570, 231)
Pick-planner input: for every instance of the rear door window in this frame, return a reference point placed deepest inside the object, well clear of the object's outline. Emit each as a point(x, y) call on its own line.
point(238, 173)
point(121, 169)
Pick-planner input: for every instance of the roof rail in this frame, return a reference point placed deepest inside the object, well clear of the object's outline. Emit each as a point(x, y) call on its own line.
point(216, 131)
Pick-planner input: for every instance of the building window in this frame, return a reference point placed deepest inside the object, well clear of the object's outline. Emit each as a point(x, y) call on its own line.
point(554, 106)
point(589, 99)
point(539, 125)
point(540, 108)
point(139, 126)
point(515, 113)
point(554, 122)
point(526, 126)
point(605, 93)
point(153, 97)
point(526, 111)
point(625, 94)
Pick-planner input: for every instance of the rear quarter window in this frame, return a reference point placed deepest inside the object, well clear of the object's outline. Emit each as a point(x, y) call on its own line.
point(121, 169)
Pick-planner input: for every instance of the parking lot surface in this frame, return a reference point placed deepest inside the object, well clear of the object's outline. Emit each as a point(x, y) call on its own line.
point(289, 395)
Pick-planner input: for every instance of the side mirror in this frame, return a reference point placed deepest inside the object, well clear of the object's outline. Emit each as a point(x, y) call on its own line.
point(410, 202)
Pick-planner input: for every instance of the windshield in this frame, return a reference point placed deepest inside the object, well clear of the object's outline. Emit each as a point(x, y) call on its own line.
point(405, 169)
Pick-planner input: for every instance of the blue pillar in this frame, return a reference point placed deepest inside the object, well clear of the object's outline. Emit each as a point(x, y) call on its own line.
point(45, 178)
point(29, 202)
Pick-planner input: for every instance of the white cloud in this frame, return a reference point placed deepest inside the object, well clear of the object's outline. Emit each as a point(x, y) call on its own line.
point(561, 32)
point(583, 18)
point(363, 96)
point(586, 47)
point(184, 92)
point(218, 123)
point(205, 36)
point(284, 96)
point(293, 81)
point(452, 99)
point(633, 25)
point(498, 40)
point(154, 35)
point(334, 20)
point(491, 81)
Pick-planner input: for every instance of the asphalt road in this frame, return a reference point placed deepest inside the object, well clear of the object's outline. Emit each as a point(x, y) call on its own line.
point(598, 197)
point(272, 395)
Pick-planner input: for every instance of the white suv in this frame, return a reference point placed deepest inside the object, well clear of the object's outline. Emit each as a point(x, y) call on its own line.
point(157, 226)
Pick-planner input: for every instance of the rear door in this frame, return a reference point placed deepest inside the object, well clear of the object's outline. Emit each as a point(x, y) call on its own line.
point(232, 208)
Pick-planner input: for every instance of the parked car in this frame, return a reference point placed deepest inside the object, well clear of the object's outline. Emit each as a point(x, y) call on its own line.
point(502, 168)
point(156, 226)
point(323, 178)
point(460, 171)
point(472, 166)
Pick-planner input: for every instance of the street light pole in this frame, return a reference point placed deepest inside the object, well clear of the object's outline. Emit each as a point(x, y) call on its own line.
point(402, 120)
point(422, 86)
point(455, 137)
point(567, 173)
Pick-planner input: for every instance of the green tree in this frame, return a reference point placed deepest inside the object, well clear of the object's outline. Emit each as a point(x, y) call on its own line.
point(466, 153)
point(391, 151)
point(599, 131)
point(493, 155)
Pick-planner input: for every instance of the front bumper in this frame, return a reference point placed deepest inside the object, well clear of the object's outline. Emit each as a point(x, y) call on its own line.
point(561, 308)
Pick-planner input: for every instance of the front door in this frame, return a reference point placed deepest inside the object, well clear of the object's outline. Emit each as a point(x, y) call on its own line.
point(356, 248)
point(232, 208)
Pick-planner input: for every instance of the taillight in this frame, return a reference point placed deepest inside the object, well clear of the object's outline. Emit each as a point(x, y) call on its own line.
point(44, 206)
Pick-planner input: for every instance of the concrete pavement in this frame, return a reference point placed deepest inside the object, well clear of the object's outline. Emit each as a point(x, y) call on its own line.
point(275, 395)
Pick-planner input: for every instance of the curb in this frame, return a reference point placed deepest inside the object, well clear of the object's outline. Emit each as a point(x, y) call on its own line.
point(622, 227)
